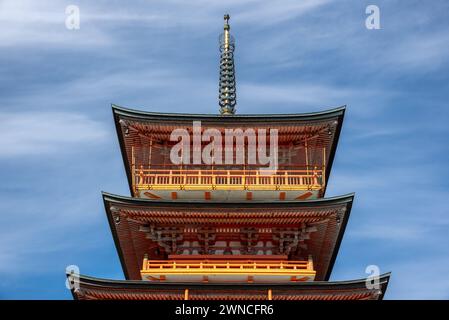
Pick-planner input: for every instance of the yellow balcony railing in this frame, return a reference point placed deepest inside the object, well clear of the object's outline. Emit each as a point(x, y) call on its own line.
point(198, 179)
point(161, 269)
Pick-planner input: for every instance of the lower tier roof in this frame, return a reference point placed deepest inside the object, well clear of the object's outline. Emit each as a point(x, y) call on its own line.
point(88, 288)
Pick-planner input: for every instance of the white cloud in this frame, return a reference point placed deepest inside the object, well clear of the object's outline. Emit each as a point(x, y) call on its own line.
point(35, 133)
point(43, 23)
point(318, 94)
point(421, 277)
point(388, 232)
point(423, 51)
point(311, 96)
point(273, 12)
point(33, 23)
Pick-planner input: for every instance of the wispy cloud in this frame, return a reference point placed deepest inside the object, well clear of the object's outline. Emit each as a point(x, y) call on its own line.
point(388, 232)
point(277, 11)
point(37, 133)
point(424, 51)
point(33, 23)
point(413, 282)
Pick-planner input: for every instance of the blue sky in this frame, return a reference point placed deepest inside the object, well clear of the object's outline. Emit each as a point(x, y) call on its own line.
point(58, 146)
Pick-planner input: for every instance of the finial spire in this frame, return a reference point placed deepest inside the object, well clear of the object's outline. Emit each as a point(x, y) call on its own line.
point(227, 96)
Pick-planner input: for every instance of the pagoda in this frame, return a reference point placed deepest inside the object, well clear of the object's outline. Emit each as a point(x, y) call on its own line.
point(209, 220)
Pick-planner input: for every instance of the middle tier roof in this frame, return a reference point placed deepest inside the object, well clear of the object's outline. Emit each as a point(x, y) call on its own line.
point(258, 229)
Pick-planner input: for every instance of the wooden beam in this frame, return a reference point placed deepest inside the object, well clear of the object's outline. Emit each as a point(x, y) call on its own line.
point(304, 196)
point(151, 195)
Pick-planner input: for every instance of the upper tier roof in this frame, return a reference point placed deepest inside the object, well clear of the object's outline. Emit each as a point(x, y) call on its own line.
point(129, 219)
point(321, 129)
point(152, 116)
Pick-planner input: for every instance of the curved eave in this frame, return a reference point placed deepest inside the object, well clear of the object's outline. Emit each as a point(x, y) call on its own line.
point(109, 198)
point(143, 202)
point(313, 285)
point(158, 116)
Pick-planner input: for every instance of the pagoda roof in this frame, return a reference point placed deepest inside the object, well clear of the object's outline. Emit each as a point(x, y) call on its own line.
point(309, 123)
point(328, 215)
point(87, 288)
point(162, 116)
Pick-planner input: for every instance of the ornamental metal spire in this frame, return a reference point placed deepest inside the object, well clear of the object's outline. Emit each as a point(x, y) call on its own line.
point(227, 93)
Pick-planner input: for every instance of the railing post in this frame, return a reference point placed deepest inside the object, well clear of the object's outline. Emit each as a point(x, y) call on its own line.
point(141, 181)
point(310, 263)
point(286, 178)
point(151, 152)
point(229, 178)
point(170, 177)
point(323, 173)
point(145, 262)
point(133, 166)
point(307, 157)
